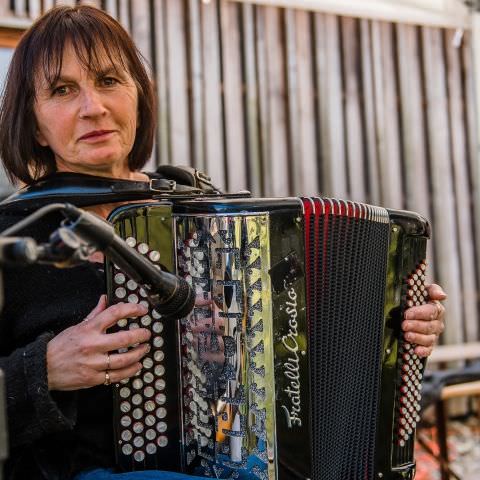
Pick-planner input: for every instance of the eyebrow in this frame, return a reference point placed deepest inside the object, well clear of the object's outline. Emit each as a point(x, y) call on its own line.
point(99, 74)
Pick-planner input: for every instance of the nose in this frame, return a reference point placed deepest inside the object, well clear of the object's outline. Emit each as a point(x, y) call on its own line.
point(91, 103)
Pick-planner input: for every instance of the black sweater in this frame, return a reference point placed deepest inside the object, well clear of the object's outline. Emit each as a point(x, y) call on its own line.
point(52, 435)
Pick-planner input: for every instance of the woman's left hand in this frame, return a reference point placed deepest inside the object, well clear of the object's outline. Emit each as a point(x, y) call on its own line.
point(423, 324)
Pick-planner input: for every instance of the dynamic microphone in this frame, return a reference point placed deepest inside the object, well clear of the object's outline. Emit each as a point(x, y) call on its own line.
point(171, 296)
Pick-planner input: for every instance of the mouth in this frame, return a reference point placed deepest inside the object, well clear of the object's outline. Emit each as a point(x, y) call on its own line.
point(96, 135)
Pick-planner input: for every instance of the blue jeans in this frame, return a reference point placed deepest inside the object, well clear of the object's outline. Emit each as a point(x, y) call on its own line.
point(103, 474)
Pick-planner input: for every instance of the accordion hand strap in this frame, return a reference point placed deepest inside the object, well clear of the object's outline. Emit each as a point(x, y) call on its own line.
point(86, 190)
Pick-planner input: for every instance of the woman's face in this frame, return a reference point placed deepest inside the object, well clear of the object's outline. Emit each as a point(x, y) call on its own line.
point(88, 120)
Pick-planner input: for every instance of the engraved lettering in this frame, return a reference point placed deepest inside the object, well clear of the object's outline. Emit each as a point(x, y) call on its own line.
point(291, 368)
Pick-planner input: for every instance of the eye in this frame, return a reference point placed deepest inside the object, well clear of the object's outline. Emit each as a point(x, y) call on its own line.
point(108, 81)
point(60, 90)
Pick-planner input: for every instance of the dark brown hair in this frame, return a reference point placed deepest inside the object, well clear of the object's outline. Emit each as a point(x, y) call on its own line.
point(90, 31)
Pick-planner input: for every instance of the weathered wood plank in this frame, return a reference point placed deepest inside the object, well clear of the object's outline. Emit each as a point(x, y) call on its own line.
point(414, 147)
point(473, 151)
point(233, 96)
point(304, 165)
point(294, 128)
point(111, 7)
point(274, 123)
point(251, 101)
point(353, 115)
point(47, 5)
point(196, 79)
point(387, 115)
point(161, 83)
point(413, 120)
point(444, 216)
point(124, 14)
point(330, 106)
point(35, 9)
point(212, 92)
point(70, 3)
point(462, 191)
point(20, 8)
point(142, 36)
point(180, 137)
point(371, 148)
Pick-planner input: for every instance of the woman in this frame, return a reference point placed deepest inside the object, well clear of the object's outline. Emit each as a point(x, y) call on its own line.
point(85, 106)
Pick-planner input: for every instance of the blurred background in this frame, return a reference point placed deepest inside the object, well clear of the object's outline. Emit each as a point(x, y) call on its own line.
point(369, 100)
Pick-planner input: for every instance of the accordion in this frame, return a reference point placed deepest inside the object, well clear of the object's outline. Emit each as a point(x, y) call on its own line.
point(292, 365)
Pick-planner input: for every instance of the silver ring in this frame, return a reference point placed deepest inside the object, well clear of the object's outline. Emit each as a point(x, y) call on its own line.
point(107, 378)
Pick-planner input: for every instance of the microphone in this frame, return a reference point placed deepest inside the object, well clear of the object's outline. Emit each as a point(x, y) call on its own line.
point(171, 296)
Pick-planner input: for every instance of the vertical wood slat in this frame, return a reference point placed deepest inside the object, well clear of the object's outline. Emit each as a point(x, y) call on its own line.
point(20, 8)
point(353, 115)
point(294, 128)
point(196, 80)
point(141, 35)
point(444, 221)
point(111, 7)
point(35, 9)
point(331, 122)
point(251, 101)
point(233, 101)
point(161, 83)
point(274, 119)
point(212, 87)
point(70, 3)
point(471, 125)
point(387, 115)
point(371, 147)
point(124, 14)
point(303, 158)
point(47, 5)
point(178, 84)
point(413, 139)
point(461, 183)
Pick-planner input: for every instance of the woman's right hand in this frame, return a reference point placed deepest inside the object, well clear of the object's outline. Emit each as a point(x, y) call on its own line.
point(79, 356)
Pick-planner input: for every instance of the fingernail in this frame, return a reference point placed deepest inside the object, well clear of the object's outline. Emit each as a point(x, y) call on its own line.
point(408, 315)
point(147, 347)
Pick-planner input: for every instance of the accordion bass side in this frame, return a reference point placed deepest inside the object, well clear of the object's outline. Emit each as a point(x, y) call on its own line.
point(292, 363)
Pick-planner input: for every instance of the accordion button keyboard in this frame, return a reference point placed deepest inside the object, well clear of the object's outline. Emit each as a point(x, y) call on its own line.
point(162, 441)
point(137, 413)
point(127, 449)
point(120, 292)
point(131, 241)
point(139, 456)
point(143, 248)
point(119, 279)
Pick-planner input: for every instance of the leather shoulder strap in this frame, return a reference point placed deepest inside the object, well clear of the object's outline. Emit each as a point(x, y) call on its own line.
point(86, 190)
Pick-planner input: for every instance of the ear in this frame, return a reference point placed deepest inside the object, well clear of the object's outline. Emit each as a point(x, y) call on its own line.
point(40, 138)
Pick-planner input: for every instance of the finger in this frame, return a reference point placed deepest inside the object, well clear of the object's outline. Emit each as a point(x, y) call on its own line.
point(434, 327)
point(435, 292)
point(124, 338)
point(114, 313)
point(101, 306)
point(423, 351)
point(119, 361)
point(421, 339)
point(429, 311)
point(118, 375)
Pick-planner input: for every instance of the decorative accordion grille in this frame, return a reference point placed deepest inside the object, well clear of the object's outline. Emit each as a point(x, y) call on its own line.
point(346, 271)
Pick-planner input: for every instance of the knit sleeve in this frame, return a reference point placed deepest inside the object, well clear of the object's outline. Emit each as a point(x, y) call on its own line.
point(32, 410)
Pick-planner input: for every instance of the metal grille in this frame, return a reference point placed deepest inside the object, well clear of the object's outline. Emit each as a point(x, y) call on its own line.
point(347, 263)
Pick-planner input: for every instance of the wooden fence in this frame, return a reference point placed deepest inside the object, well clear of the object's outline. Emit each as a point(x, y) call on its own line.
point(287, 102)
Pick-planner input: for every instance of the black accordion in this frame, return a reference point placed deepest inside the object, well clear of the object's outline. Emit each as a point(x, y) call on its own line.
point(292, 364)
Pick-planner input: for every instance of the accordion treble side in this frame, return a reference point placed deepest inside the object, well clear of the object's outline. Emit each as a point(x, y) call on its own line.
point(292, 363)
